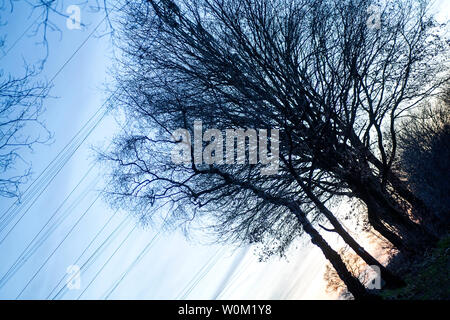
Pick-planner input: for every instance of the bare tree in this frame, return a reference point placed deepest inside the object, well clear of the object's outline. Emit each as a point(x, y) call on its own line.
point(20, 128)
point(311, 69)
point(21, 103)
point(22, 96)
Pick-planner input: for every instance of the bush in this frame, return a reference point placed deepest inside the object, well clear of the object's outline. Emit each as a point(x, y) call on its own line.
point(424, 142)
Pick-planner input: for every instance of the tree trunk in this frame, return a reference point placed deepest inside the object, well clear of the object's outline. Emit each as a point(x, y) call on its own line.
point(392, 280)
point(388, 234)
point(411, 238)
point(412, 233)
point(354, 285)
point(429, 219)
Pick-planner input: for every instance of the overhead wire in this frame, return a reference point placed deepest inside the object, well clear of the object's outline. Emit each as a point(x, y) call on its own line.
point(82, 253)
point(44, 232)
point(58, 246)
point(59, 166)
point(201, 273)
point(107, 261)
point(146, 249)
point(92, 258)
point(51, 81)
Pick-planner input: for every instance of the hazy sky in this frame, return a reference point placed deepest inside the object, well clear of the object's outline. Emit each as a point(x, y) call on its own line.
point(171, 267)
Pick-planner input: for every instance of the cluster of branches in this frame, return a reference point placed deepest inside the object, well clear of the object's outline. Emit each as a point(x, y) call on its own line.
point(47, 16)
point(424, 140)
point(21, 127)
point(312, 69)
point(22, 96)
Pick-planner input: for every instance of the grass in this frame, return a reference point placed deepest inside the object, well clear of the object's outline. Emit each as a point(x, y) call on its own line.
point(427, 279)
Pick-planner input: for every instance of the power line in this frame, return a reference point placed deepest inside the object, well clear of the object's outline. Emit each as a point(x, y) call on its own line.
point(107, 261)
point(93, 256)
point(49, 177)
point(59, 160)
point(196, 283)
point(59, 245)
point(201, 273)
point(234, 278)
point(57, 73)
point(133, 264)
point(19, 38)
point(24, 256)
point(29, 191)
point(26, 253)
point(84, 251)
point(61, 166)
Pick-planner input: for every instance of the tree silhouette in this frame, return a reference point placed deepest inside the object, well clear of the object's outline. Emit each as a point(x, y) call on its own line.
point(313, 70)
point(424, 140)
point(20, 127)
point(22, 96)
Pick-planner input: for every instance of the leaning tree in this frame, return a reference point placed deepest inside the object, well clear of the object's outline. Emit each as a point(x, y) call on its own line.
point(328, 83)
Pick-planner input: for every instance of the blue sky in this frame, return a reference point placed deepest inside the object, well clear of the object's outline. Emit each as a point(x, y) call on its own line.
point(172, 267)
